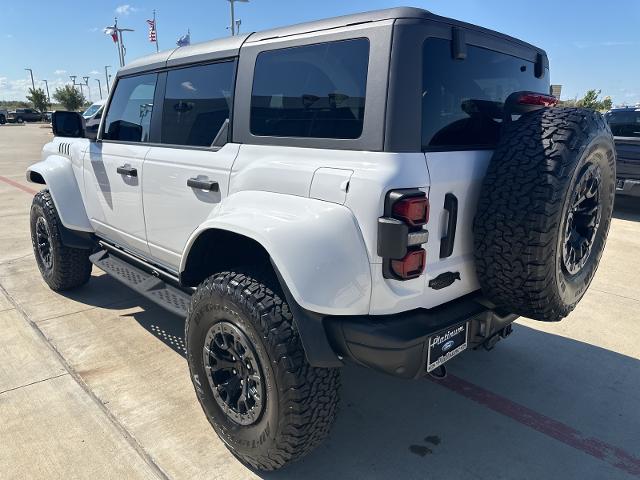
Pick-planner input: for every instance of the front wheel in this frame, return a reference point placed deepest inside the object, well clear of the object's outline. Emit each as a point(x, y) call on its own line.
point(62, 267)
point(251, 376)
point(3, 120)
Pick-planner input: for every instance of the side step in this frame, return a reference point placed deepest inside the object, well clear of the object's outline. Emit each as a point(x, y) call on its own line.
point(147, 284)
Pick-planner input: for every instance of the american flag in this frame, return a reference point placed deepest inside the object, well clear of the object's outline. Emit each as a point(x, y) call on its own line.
point(152, 30)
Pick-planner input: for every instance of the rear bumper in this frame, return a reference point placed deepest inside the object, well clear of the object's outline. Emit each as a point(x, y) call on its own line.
point(627, 186)
point(397, 344)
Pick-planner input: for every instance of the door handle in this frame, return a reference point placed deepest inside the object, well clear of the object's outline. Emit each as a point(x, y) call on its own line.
point(127, 170)
point(203, 184)
point(447, 242)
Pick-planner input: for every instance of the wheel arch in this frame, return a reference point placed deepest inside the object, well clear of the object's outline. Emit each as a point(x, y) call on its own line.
point(56, 172)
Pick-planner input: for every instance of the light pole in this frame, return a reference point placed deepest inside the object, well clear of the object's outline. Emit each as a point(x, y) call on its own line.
point(116, 34)
point(33, 84)
point(233, 16)
point(46, 84)
point(99, 87)
point(86, 82)
point(73, 79)
point(106, 75)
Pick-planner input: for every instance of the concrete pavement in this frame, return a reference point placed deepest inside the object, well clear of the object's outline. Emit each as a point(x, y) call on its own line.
point(94, 384)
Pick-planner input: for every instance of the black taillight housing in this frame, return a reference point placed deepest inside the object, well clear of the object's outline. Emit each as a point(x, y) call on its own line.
point(401, 233)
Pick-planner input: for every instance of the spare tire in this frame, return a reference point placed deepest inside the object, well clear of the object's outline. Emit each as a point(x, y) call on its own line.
point(544, 211)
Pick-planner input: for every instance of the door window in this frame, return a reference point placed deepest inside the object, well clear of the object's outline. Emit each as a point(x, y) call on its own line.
point(129, 115)
point(196, 104)
point(315, 91)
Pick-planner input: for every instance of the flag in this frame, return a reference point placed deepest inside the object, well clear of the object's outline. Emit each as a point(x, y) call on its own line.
point(184, 40)
point(152, 31)
point(113, 32)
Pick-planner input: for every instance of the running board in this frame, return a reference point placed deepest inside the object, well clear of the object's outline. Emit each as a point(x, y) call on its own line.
point(147, 284)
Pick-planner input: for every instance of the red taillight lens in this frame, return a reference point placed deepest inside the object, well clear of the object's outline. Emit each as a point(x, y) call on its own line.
point(538, 99)
point(414, 210)
point(411, 266)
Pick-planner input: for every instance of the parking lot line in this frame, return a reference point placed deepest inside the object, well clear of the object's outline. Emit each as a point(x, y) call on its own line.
point(597, 448)
point(13, 183)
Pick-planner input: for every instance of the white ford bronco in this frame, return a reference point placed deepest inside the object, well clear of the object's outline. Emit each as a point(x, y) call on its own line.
point(387, 188)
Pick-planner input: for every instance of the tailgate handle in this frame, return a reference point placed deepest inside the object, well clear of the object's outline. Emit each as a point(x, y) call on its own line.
point(446, 242)
point(203, 184)
point(127, 170)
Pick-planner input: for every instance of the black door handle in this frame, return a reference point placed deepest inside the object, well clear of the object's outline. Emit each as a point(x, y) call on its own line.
point(446, 242)
point(127, 170)
point(203, 184)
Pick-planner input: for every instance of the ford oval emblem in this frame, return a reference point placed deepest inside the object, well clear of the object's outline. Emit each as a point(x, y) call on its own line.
point(447, 346)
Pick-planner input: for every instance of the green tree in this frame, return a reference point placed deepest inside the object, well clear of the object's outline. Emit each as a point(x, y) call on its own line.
point(39, 99)
point(590, 100)
point(70, 97)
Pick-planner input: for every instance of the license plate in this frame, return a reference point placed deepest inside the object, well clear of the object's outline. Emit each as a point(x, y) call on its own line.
point(445, 345)
point(620, 184)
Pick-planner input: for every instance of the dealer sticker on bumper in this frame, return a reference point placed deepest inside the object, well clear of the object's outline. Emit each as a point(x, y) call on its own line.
point(447, 344)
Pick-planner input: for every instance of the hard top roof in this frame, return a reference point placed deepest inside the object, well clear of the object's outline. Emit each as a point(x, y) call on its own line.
point(230, 46)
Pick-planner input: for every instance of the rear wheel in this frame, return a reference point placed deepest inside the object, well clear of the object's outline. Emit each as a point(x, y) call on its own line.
point(20, 120)
point(544, 211)
point(3, 120)
point(62, 267)
point(251, 376)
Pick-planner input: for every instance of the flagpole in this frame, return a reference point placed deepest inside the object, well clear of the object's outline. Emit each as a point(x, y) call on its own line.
point(155, 26)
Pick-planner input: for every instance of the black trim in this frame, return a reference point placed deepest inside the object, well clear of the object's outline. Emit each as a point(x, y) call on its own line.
point(458, 44)
point(311, 328)
point(447, 242)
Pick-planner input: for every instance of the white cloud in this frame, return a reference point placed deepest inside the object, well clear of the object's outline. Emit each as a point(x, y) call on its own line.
point(59, 72)
point(94, 72)
point(126, 9)
point(18, 89)
point(9, 35)
point(95, 29)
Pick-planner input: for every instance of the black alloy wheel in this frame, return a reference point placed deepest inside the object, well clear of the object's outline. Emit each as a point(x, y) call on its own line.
point(234, 373)
point(583, 219)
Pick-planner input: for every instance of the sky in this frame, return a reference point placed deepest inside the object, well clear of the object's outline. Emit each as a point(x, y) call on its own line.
point(590, 43)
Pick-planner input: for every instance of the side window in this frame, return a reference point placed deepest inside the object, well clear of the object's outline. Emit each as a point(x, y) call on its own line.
point(196, 104)
point(129, 115)
point(312, 91)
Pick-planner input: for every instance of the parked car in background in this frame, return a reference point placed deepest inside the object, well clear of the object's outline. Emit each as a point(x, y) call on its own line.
point(93, 114)
point(46, 116)
point(21, 115)
point(3, 116)
point(625, 126)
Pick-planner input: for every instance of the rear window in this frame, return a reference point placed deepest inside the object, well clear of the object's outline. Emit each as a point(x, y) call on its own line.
point(311, 91)
point(462, 100)
point(624, 124)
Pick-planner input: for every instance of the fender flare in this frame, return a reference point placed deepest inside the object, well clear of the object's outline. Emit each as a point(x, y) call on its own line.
point(325, 273)
point(57, 173)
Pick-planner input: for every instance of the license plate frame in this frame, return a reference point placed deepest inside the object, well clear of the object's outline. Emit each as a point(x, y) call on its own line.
point(446, 344)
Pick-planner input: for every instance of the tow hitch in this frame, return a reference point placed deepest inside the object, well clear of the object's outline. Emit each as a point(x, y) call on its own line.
point(490, 342)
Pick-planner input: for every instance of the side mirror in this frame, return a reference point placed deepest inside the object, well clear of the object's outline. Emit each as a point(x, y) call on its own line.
point(69, 124)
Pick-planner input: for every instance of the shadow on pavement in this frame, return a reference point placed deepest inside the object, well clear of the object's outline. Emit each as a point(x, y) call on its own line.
point(392, 428)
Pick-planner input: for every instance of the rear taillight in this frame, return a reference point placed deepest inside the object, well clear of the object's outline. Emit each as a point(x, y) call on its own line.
point(411, 265)
point(401, 233)
point(414, 210)
point(538, 99)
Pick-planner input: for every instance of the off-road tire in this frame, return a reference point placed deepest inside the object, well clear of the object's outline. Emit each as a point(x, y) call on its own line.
point(524, 205)
point(301, 401)
point(70, 267)
point(3, 120)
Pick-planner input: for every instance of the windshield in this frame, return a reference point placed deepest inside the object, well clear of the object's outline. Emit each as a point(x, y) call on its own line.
point(624, 124)
point(462, 100)
point(92, 110)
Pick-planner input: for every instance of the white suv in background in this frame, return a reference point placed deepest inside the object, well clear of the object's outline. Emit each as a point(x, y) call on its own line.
point(387, 188)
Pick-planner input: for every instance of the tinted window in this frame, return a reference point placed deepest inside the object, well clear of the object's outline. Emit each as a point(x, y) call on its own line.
point(624, 124)
point(197, 102)
point(311, 91)
point(462, 100)
point(129, 114)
